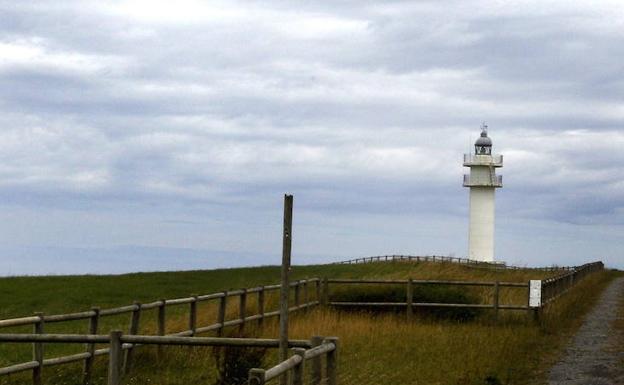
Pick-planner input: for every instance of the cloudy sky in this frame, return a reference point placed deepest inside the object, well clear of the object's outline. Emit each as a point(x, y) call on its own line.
point(147, 135)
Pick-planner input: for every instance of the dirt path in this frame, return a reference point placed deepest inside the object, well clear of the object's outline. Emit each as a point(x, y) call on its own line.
point(587, 360)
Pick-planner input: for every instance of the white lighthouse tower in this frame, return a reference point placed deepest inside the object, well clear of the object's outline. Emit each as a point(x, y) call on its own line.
point(482, 182)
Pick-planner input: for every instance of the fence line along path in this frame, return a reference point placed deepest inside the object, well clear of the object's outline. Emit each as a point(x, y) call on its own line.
point(442, 258)
point(306, 294)
point(539, 293)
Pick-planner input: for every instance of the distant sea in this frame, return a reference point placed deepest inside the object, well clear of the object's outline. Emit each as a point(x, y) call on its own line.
point(17, 261)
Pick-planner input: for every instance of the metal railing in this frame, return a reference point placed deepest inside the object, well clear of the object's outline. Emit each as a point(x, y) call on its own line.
point(490, 181)
point(471, 159)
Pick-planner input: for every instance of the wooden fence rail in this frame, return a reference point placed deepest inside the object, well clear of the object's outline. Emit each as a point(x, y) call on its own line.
point(118, 342)
point(409, 304)
point(441, 258)
point(548, 290)
point(295, 365)
point(136, 310)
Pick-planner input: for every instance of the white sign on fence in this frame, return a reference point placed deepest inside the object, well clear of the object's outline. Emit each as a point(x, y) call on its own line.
point(535, 293)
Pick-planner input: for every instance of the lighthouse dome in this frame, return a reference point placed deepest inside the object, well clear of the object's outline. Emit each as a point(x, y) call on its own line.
point(484, 140)
point(483, 145)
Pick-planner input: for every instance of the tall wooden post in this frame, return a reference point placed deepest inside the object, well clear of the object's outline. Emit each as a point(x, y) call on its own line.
point(285, 284)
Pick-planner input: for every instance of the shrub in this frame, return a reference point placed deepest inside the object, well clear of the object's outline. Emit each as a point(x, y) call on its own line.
point(421, 293)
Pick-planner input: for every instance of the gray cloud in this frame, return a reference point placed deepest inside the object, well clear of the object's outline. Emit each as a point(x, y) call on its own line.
point(134, 113)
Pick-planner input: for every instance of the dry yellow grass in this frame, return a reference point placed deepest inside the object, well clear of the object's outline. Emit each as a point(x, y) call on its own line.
point(387, 348)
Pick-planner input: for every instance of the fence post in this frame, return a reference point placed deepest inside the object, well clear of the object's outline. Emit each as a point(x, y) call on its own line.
point(299, 369)
point(256, 377)
point(331, 366)
point(221, 313)
point(316, 362)
point(285, 282)
point(243, 310)
point(38, 350)
point(317, 288)
point(114, 358)
point(162, 328)
point(306, 294)
point(297, 294)
point(325, 299)
point(193, 315)
point(410, 299)
point(261, 306)
point(496, 298)
point(133, 330)
point(88, 364)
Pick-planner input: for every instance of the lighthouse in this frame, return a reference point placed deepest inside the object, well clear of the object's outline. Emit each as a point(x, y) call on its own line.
point(482, 182)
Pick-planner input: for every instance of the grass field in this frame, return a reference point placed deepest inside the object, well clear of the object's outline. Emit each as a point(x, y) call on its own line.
point(618, 341)
point(375, 348)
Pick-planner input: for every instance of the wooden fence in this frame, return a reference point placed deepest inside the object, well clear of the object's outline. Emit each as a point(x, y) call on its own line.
point(539, 294)
point(549, 289)
point(303, 298)
point(552, 288)
point(296, 364)
point(496, 306)
point(118, 342)
point(441, 258)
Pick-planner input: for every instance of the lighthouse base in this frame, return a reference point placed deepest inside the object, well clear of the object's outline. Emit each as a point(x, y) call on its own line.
point(481, 235)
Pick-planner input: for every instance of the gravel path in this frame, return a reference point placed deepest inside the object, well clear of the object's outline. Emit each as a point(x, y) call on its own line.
point(587, 360)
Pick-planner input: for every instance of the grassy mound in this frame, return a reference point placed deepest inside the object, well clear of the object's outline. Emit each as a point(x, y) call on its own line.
point(377, 349)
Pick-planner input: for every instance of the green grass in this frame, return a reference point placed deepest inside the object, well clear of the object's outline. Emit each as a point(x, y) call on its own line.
point(424, 351)
point(21, 296)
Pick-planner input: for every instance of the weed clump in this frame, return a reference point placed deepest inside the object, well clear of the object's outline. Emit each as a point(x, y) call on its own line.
point(233, 363)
